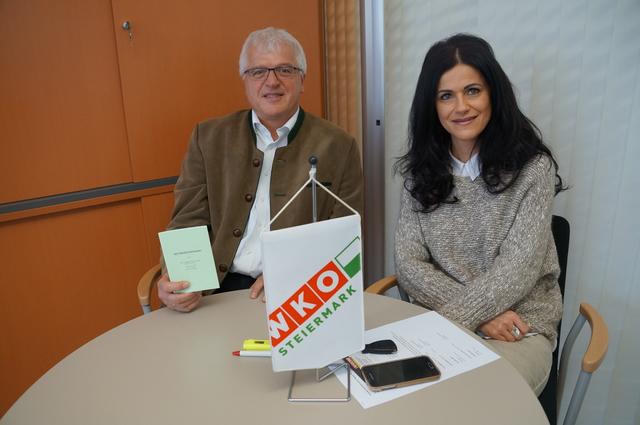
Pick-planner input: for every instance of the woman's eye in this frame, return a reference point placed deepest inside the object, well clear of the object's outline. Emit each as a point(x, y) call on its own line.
point(473, 91)
point(445, 96)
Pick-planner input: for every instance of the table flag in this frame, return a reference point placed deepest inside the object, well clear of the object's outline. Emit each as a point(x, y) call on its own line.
point(314, 293)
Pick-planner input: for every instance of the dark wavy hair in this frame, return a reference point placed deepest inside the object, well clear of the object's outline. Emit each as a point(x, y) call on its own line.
point(506, 144)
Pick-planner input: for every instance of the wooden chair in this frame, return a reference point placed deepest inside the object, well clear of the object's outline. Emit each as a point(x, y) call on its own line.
point(145, 286)
point(594, 353)
point(591, 360)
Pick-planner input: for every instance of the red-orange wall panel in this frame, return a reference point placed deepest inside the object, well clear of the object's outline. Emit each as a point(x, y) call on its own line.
point(72, 274)
point(68, 277)
point(181, 66)
point(61, 112)
point(156, 210)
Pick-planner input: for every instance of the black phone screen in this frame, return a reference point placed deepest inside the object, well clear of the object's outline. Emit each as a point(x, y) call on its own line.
point(395, 372)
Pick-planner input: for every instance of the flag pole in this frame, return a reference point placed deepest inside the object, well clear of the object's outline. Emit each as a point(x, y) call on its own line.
point(332, 368)
point(313, 160)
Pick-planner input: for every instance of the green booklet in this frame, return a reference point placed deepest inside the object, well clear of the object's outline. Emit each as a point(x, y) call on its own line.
point(187, 255)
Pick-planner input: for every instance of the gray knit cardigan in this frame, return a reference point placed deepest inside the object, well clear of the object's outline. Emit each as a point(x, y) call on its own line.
point(486, 254)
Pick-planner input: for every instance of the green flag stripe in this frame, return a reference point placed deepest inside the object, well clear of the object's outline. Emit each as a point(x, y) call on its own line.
point(349, 257)
point(353, 267)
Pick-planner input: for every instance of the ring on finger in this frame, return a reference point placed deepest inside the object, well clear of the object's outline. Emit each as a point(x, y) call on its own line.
point(515, 331)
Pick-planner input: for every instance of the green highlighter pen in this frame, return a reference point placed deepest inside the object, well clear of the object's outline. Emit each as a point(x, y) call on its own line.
point(256, 345)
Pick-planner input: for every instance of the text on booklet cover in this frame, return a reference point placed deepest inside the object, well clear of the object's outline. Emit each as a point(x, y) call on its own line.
point(187, 254)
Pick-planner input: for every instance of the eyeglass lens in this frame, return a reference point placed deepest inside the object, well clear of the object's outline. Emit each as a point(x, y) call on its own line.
point(279, 71)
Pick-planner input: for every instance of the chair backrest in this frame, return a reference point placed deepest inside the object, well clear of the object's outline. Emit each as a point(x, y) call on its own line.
point(561, 232)
point(145, 286)
point(594, 353)
point(548, 398)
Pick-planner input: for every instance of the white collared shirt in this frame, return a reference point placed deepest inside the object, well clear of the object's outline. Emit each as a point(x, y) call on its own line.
point(470, 169)
point(248, 259)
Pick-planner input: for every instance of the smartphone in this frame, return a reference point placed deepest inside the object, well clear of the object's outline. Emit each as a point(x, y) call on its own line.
point(399, 373)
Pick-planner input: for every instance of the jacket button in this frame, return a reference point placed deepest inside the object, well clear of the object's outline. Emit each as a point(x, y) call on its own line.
point(248, 197)
point(222, 267)
point(237, 233)
point(257, 162)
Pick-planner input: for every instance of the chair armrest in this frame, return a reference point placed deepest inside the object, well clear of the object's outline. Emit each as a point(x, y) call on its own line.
point(146, 282)
point(599, 342)
point(382, 285)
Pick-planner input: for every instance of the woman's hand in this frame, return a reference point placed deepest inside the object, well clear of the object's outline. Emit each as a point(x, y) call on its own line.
point(507, 326)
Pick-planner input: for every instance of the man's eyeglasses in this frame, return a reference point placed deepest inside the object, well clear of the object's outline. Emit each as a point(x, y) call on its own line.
point(282, 72)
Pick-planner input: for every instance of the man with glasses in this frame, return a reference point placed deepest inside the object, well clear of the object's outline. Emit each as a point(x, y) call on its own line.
point(241, 169)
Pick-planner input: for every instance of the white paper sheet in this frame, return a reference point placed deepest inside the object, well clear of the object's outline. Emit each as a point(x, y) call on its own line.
point(453, 351)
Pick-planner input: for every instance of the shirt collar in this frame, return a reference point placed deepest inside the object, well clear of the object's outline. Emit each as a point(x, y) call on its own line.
point(470, 169)
point(282, 131)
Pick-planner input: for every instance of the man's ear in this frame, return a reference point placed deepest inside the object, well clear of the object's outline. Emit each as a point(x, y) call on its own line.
point(302, 83)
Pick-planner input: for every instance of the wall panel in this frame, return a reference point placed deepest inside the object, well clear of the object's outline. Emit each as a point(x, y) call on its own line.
point(181, 66)
point(156, 210)
point(61, 113)
point(67, 278)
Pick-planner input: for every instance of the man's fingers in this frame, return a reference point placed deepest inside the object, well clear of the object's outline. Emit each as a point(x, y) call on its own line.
point(192, 304)
point(177, 286)
point(181, 302)
point(176, 300)
point(165, 285)
point(256, 288)
point(162, 283)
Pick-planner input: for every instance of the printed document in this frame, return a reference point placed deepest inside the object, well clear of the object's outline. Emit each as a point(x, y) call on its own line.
point(450, 348)
point(187, 254)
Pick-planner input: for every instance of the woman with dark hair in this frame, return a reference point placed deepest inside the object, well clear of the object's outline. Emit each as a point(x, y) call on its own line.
point(474, 239)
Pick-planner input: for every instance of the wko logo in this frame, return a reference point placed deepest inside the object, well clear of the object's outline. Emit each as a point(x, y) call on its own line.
point(312, 296)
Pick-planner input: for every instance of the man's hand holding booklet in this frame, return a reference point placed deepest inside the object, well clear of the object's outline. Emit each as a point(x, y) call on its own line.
point(187, 255)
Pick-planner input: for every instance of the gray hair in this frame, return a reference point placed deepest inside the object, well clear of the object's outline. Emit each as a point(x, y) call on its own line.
point(270, 40)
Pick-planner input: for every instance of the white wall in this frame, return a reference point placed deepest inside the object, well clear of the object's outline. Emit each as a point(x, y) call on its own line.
point(576, 69)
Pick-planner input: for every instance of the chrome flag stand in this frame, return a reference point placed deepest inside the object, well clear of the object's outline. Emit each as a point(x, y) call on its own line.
point(329, 370)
